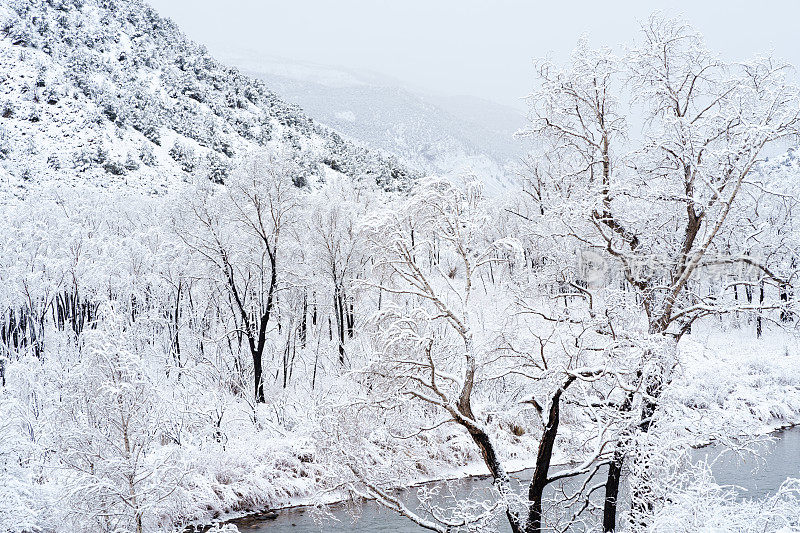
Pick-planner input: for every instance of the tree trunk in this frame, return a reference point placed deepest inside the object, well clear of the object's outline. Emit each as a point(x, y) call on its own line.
point(176, 344)
point(653, 388)
point(545, 454)
point(641, 501)
point(484, 443)
point(258, 378)
point(351, 319)
point(786, 316)
point(339, 311)
point(759, 327)
point(615, 475)
point(304, 321)
point(481, 438)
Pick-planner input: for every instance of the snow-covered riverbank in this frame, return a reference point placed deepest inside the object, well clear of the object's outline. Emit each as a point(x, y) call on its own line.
point(727, 385)
point(760, 481)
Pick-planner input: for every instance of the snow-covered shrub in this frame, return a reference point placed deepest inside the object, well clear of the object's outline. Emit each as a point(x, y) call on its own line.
point(216, 168)
point(300, 181)
point(5, 143)
point(52, 94)
point(131, 163)
point(110, 113)
point(704, 506)
point(34, 115)
point(88, 157)
point(184, 155)
point(7, 109)
point(146, 154)
point(114, 168)
point(53, 161)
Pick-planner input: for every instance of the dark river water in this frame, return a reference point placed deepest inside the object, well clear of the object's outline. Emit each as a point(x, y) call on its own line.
point(755, 477)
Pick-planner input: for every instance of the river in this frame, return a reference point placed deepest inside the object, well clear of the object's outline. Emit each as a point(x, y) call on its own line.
point(756, 477)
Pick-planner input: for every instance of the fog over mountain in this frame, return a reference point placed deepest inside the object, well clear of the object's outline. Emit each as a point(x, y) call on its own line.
point(433, 133)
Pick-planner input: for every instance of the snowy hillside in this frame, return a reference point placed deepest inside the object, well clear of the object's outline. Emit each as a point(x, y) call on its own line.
point(458, 134)
point(109, 92)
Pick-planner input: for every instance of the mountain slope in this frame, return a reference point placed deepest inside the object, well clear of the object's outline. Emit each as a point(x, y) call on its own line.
point(108, 92)
point(430, 133)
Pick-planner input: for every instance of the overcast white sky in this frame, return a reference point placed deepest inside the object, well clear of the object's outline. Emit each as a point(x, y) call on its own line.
point(468, 47)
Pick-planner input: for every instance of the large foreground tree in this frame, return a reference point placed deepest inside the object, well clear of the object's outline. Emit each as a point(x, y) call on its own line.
point(645, 160)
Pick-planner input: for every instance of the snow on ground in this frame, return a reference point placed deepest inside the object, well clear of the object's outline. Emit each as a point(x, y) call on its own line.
point(735, 384)
point(731, 382)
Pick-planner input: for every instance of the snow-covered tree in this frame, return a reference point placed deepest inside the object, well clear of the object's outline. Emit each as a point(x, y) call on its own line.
point(240, 235)
point(654, 196)
point(110, 422)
